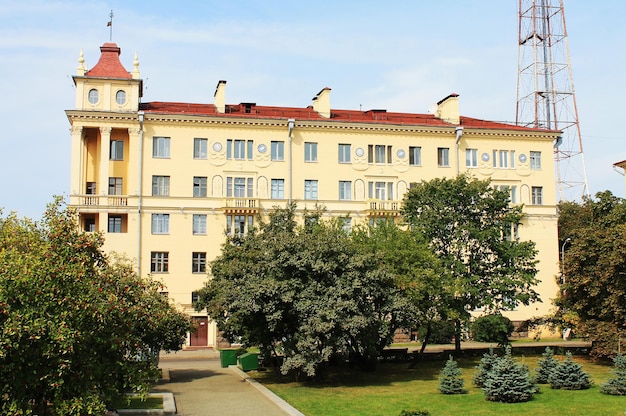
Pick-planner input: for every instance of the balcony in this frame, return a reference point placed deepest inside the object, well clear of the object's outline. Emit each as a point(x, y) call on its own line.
point(101, 201)
point(378, 208)
point(241, 205)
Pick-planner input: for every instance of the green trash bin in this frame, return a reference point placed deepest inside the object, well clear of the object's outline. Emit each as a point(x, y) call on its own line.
point(248, 361)
point(228, 357)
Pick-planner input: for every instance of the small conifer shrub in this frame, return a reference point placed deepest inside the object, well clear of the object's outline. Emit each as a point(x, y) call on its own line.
point(547, 364)
point(616, 386)
point(450, 381)
point(569, 375)
point(509, 381)
point(483, 368)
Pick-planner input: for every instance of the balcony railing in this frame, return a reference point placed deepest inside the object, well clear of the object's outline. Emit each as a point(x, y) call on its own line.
point(392, 206)
point(251, 203)
point(103, 200)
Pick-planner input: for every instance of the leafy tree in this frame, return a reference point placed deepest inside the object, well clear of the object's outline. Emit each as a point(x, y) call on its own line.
point(492, 328)
point(468, 224)
point(417, 271)
point(594, 284)
point(450, 381)
point(616, 386)
point(509, 381)
point(76, 328)
point(305, 292)
point(546, 365)
point(436, 332)
point(569, 375)
point(484, 367)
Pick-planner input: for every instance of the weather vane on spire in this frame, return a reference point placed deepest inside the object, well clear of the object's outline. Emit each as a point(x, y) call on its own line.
point(110, 26)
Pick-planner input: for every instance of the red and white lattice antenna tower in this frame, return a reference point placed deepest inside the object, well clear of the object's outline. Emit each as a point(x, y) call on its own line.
point(545, 90)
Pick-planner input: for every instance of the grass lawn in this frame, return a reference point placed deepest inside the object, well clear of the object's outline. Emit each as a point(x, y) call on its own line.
point(394, 387)
point(133, 402)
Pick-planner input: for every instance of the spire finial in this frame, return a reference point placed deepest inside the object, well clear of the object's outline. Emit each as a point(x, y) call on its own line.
point(110, 25)
point(136, 67)
point(81, 63)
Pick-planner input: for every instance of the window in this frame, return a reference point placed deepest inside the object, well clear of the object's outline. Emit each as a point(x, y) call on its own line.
point(443, 157)
point(159, 261)
point(89, 223)
point(471, 158)
point(239, 187)
point(199, 224)
point(115, 186)
point(120, 97)
point(346, 224)
point(511, 232)
point(345, 190)
point(278, 189)
point(415, 156)
point(115, 224)
point(344, 153)
point(512, 190)
point(93, 96)
point(537, 195)
point(379, 153)
point(535, 160)
point(90, 188)
point(160, 223)
point(199, 186)
point(239, 224)
point(160, 185)
point(310, 152)
point(504, 159)
point(380, 190)
point(198, 262)
point(236, 149)
point(195, 297)
point(310, 189)
point(161, 147)
point(278, 150)
point(117, 150)
point(200, 148)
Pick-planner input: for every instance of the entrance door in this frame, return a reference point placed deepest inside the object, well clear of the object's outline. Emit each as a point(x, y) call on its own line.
point(200, 338)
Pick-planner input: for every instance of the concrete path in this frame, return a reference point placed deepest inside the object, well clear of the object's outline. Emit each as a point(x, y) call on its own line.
point(202, 387)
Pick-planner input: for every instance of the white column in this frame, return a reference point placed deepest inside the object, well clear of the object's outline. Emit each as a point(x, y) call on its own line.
point(103, 165)
point(77, 179)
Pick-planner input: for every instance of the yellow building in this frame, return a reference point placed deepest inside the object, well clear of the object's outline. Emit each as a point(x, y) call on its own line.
point(164, 181)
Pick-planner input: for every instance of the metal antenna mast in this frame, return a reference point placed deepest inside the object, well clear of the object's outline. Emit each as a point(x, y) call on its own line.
point(545, 90)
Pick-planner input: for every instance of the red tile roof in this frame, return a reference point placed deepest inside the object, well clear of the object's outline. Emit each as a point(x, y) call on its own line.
point(109, 64)
point(356, 116)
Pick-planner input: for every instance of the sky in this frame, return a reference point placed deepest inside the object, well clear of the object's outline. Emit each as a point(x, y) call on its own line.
point(402, 55)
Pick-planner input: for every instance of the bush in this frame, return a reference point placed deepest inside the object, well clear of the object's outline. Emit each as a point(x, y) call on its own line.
point(569, 375)
point(484, 367)
point(441, 332)
point(492, 328)
point(450, 381)
point(547, 364)
point(616, 386)
point(509, 381)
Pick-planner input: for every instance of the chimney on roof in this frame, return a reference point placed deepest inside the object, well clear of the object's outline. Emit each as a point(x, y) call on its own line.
point(321, 103)
point(448, 109)
point(219, 98)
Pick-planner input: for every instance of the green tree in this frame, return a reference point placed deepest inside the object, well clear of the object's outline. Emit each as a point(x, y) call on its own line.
point(417, 271)
point(484, 367)
point(569, 375)
point(450, 381)
point(593, 237)
point(509, 381)
point(616, 386)
point(546, 365)
point(492, 328)
point(469, 225)
point(305, 292)
point(76, 329)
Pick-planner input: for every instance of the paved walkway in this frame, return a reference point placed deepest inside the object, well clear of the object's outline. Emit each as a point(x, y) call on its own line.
point(202, 387)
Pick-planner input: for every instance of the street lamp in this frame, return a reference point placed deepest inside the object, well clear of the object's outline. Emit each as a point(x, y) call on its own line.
point(567, 240)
